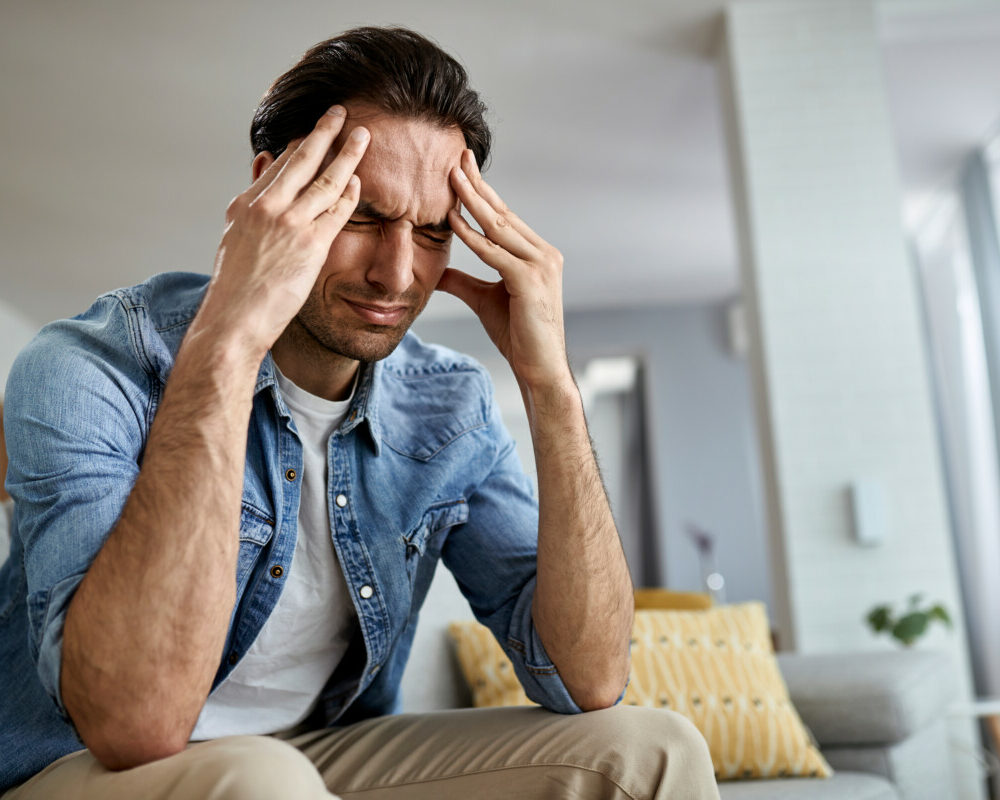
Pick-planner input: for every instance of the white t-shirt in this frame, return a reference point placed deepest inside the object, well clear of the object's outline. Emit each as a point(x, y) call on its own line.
point(277, 683)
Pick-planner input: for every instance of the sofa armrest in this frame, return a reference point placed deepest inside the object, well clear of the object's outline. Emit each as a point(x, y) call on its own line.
point(876, 698)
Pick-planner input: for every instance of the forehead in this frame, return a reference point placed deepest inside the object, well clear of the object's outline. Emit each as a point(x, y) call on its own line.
point(404, 172)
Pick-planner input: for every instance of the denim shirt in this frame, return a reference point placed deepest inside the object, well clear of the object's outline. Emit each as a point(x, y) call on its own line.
point(421, 470)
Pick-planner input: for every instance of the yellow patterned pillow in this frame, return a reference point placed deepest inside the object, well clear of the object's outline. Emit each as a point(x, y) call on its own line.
point(716, 667)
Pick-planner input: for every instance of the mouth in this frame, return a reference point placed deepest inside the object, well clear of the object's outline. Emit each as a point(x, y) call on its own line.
point(376, 314)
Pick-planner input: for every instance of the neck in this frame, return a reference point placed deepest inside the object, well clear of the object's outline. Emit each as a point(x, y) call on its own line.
point(310, 366)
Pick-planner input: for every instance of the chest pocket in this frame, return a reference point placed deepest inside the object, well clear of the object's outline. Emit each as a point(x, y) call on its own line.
point(430, 412)
point(255, 532)
point(428, 535)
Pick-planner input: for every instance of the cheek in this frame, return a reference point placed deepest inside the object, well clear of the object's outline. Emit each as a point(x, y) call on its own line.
point(432, 266)
point(348, 253)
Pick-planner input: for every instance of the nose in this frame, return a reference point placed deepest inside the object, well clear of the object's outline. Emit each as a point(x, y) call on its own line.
point(391, 268)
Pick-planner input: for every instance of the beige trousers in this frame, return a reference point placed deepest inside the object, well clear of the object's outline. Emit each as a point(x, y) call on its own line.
point(478, 754)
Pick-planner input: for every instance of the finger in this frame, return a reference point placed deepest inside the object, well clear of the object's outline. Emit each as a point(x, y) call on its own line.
point(268, 175)
point(471, 291)
point(471, 169)
point(331, 182)
point(333, 218)
point(302, 166)
point(491, 253)
point(495, 224)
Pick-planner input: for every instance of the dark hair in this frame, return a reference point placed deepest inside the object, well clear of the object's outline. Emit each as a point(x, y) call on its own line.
point(396, 70)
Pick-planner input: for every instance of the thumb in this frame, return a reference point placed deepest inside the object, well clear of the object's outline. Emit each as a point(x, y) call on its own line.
point(471, 291)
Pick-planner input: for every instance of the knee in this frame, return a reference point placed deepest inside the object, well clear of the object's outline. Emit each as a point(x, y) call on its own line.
point(652, 752)
point(250, 768)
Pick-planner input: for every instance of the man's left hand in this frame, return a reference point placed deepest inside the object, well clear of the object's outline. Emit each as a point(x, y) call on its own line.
point(522, 312)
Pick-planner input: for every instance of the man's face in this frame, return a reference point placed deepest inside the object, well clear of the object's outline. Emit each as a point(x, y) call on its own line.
point(386, 262)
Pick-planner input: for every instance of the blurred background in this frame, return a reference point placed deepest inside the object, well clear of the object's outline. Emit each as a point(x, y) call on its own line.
point(779, 221)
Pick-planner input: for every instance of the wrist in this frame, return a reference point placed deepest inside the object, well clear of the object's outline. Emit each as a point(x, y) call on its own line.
point(225, 352)
point(225, 339)
point(557, 395)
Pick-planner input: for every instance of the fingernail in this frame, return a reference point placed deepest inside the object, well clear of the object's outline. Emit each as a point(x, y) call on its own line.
point(359, 135)
point(336, 111)
point(353, 181)
point(461, 175)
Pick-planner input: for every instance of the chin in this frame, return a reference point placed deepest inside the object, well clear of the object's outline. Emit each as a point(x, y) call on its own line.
point(368, 347)
point(364, 343)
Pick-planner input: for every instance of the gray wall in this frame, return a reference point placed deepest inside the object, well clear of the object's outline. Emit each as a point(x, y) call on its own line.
point(705, 453)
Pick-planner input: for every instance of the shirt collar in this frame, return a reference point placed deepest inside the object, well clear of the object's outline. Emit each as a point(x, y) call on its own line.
point(364, 406)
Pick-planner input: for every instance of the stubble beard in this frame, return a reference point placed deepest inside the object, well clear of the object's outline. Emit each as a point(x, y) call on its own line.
point(357, 340)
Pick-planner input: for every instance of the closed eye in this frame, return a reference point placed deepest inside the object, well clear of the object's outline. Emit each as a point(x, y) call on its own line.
point(431, 234)
point(435, 239)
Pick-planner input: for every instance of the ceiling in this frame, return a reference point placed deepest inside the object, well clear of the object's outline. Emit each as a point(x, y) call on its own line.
point(124, 129)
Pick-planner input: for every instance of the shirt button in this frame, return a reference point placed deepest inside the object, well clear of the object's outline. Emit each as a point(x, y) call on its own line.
point(341, 500)
point(367, 591)
point(277, 571)
point(290, 474)
point(233, 658)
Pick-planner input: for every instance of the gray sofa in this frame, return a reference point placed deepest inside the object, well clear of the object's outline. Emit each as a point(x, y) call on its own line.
point(879, 720)
point(877, 717)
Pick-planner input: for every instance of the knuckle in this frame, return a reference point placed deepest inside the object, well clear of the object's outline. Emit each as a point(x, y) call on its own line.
point(302, 153)
point(501, 221)
point(286, 220)
point(554, 257)
point(235, 207)
point(262, 207)
point(325, 183)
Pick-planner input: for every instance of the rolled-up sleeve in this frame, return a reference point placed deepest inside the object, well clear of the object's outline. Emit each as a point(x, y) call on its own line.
point(494, 557)
point(74, 421)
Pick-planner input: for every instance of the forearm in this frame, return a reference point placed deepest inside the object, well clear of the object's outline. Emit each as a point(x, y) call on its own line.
point(146, 627)
point(583, 599)
point(145, 630)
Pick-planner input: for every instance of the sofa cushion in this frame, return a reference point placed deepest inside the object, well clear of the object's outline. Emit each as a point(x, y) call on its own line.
point(870, 698)
point(715, 667)
point(842, 786)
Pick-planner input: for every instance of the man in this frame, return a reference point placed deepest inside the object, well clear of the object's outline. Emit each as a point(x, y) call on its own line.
point(279, 425)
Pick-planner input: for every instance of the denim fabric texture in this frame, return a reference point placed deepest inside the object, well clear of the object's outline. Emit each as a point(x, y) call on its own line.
point(428, 470)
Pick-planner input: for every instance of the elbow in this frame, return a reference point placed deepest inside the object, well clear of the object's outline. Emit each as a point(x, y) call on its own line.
point(597, 697)
point(122, 728)
point(604, 689)
point(121, 738)
point(117, 751)
point(598, 694)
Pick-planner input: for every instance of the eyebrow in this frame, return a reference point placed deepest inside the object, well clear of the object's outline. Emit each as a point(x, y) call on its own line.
point(366, 209)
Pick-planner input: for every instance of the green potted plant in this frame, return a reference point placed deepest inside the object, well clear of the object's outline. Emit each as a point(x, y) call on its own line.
point(909, 625)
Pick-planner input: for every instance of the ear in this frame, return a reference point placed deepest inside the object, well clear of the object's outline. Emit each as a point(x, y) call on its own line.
point(261, 162)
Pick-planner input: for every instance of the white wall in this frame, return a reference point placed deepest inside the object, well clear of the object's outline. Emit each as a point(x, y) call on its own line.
point(839, 364)
point(16, 331)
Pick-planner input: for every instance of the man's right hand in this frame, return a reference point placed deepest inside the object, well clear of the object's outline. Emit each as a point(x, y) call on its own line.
point(278, 234)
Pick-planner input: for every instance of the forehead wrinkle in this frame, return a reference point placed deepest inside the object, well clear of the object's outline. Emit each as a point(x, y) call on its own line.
point(405, 170)
point(398, 190)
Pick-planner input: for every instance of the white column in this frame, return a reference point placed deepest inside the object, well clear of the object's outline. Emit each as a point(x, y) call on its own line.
point(839, 368)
